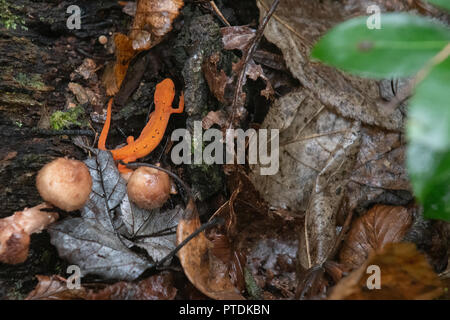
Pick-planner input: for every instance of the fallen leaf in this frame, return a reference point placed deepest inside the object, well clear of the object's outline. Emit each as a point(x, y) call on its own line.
point(379, 226)
point(217, 80)
point(152, 20)
point(320, 235)
point(152, 230)
point(157, 287)
point(87, 71)
point(113, 76)
point(237, 37)
point(54, 288)
point(405, 275)
point(214, 117)
point(95, 250)
point(15, 232)
point(108, 191)
point(296, 26)
point(206, 272)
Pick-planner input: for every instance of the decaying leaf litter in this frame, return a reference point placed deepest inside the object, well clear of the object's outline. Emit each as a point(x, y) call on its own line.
point(341, 154)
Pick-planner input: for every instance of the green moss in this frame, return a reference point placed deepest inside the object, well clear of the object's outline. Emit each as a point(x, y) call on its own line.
point(252, 287)
point(15, 292)
point(206, 179)
point(18, 99)
point(33, 81)
point(8, 19)
point(65, 119)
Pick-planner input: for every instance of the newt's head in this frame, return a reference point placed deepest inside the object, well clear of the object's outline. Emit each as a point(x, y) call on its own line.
point(165, 93)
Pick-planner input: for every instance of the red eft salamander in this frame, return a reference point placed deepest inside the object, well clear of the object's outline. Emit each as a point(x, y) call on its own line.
point(153, 131)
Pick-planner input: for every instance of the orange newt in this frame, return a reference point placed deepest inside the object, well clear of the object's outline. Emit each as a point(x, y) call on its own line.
point(153, 131)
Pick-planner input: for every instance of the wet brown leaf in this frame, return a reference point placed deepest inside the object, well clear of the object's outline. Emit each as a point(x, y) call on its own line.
point(113, 76)
point(157, 287)
point(405, 274)
point(217, 80)
point(371, 232)
point(153, 19)
point(54, 288)
point(205, 271)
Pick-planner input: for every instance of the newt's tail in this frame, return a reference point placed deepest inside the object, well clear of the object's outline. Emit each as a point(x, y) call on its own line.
point(105, 130)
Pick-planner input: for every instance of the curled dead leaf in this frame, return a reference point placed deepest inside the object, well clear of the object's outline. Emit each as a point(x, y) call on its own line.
point(405, 274)
point(379, 226)
point(206, 272)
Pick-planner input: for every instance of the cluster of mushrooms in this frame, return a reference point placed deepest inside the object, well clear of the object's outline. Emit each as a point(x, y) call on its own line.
point(66, 184)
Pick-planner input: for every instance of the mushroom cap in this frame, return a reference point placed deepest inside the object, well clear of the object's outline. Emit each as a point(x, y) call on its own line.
point(149, 188)
point(65, 183)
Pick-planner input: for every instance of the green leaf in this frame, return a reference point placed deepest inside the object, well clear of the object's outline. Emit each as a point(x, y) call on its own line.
point(441, 3)
point(400, 48)
point(428, 132)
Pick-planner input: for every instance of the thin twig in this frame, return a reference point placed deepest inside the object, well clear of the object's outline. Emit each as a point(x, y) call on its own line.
point(203, 227)
point(219, 14)
point(313, 136)
point(287, 26)
point(246, 59)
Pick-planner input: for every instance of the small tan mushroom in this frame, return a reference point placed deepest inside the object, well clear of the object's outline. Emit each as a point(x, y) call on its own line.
point(65, 183)
point(149, 188)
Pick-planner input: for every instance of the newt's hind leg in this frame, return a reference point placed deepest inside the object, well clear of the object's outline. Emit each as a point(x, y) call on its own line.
point(180, 108)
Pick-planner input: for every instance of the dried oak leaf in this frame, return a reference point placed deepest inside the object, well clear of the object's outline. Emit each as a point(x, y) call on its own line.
point(15, 232)
point(371, 232)
point(157, 287)
point(206, 272)
point(405, 274)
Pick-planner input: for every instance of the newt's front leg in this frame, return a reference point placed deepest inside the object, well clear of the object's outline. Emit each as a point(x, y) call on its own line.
point(122, 168)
